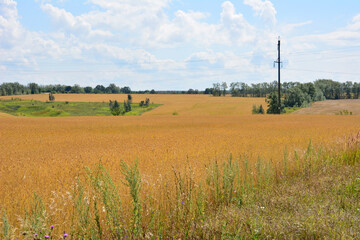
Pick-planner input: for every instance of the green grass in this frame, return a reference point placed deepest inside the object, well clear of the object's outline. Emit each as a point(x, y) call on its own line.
point(32, 108)
point(289, 110)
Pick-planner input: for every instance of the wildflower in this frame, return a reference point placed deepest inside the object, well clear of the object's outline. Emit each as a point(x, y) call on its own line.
point(47, 236)
point(65, 235)
point(52, 226)
point(35, 235)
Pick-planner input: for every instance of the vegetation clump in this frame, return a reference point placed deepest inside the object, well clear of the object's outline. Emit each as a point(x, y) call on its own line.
point(116, 109)
point(145, 103)
point(258, 110)
point(344, 112)
point(51, 97)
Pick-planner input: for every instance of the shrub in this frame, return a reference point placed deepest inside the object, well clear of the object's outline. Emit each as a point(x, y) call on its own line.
point(258, 110)
point(116, 109)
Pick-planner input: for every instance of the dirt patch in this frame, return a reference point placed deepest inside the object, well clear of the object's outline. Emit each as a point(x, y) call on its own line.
point(332, 107)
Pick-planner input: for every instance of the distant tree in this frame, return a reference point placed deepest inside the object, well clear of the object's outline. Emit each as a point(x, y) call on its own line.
point(191, 91)
point(224, 86)
point(309, 89)
point(125, 90)
point(147, 102)
point(208, 91)
point(34, 88)
point(235, 89)
point(318, 96)
point(127, 106)
point(51, 97)
point(99, 89)
point(273, 106)
point(347, 88)
point(356, 90)
point(67, 89)
point(261, 109)
point(294, 97)
point(216, 90)
point(129, 98)
point(112, 88)
point(88, 89)
point(77, 89)
point(115, 108)
point(152, 91)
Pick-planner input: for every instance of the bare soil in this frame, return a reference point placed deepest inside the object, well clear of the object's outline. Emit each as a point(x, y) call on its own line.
point(332, 107)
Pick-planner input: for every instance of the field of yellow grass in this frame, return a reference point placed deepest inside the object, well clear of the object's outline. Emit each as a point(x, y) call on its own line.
point(44, 155)
point(182, 104)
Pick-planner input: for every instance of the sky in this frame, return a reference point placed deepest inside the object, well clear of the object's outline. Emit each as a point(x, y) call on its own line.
point(177, 44)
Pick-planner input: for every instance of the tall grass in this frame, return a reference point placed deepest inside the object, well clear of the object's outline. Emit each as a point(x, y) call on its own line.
point(313, 195)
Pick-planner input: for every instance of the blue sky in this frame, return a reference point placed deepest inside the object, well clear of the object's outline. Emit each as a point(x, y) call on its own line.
point(177, 44)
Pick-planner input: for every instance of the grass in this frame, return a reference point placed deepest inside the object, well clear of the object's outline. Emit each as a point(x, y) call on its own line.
point(314, 195)
point(289, 110)
point(184, 104)
point(33, 108)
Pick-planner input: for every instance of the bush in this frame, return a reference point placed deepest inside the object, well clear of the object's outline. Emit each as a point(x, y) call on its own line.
point(116, 109)
point(51, 97)
point(258, 110)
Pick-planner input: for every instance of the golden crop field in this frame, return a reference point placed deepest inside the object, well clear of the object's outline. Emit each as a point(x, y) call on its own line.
point(196, 104)
point(44, 155)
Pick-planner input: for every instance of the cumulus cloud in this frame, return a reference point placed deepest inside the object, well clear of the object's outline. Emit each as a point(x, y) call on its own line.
point(265, 9)
point(76, 25)
point(129, 36)
point(237, 30)
point(10, 28)
point(355, 25)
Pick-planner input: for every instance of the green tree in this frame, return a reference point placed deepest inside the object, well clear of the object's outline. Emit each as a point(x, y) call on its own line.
point(99, 89)
point(273, 106)
point(125, 90)
point(115, 108)
point(216, 90)
point(34, 88)
point(51, 97)
point(294, 97)
point(224, 86)
point(112, 88)
point(127, 106)
point(88, 89)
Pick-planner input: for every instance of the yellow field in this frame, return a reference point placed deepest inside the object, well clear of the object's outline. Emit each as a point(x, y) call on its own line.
point(182, 104)
point(44, 155)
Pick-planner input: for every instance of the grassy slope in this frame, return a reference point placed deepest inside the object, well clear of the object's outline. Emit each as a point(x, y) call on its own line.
point(32, 108)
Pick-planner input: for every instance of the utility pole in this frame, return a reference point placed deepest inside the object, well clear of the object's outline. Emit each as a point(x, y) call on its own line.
point(279, 84)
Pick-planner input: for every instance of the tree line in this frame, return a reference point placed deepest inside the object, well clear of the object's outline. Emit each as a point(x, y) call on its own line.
point(328, 88)
point(16, 88)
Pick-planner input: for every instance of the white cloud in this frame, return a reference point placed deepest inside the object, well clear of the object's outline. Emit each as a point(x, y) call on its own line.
point(264, 9)
point(122, 39)
point(355, 25)
point(75, 25)
point(10, 29)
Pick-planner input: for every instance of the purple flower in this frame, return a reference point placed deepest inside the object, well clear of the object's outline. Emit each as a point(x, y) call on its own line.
point(52, 226)
point(65, 235)
point(47, 236)
point(35, 235)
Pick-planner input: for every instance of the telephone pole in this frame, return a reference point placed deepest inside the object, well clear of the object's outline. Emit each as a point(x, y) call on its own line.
point(279, 84)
